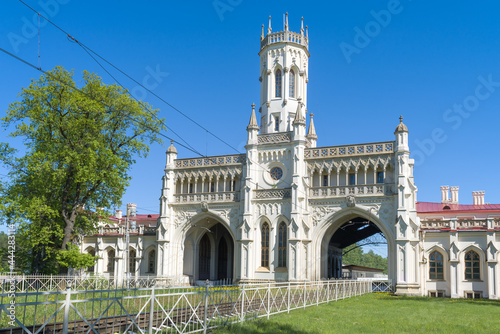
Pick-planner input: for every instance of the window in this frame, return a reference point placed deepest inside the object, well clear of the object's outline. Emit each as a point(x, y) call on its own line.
point(131, 261)
point(264, 253)
point(111, 261)
point(151, 261)
point(278, 83)
point(380, 177)
point(472, 265)
point(352, 179)
point(282, 245)
point(234, 186)
point(276, 173)
point(436, 265)
point(277, 123)
point(473, 294)
point(190, 188)
point(212, 187)
point(325, 180)
point(292, 84)
point(438, 293)
point(90, 269)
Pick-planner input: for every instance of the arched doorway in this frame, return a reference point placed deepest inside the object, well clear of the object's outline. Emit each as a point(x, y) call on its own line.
point(204, 258)
point(208, 251)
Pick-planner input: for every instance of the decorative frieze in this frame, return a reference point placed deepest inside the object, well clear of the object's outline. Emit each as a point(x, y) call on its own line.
point(275, 138)
point(273, 193)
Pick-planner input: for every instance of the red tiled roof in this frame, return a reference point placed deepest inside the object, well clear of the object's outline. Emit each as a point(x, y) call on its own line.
point(439, 207)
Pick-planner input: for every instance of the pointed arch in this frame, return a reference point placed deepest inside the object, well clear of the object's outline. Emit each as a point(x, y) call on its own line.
point(292, 83)
point(278, 80)
point(264, 248)
point(473, 258)
point(282, 244)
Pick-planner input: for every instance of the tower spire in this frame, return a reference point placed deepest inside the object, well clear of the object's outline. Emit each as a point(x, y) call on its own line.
point(252, 125)
point(311, 132)
point(302, 26)
point(269, 29)
point(262, 33)
point(286, 21)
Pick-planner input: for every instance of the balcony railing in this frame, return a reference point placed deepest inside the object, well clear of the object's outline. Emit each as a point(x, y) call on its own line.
point(228, 196)
point(357, 190)
point(284, 37)
point(273, 193)
point(349, 150)
point(464, 224)
point(224, 160)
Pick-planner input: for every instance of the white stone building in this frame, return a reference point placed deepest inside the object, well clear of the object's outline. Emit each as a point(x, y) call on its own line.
point(285, 209)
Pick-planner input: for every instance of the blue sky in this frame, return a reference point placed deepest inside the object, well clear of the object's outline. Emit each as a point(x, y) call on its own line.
point(436, 64)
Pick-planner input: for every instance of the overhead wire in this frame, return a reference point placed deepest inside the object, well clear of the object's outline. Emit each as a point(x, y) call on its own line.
point(88, 50)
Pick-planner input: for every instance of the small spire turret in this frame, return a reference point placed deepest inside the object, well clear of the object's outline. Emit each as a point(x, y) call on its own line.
point(252, 125)
point(286, 21)
point(262, 33)
point(299, 118)
point(269, 29)
point(302, 26)
point(311, 132)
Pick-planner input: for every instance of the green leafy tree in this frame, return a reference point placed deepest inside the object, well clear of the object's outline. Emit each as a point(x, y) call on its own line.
point(80, 144)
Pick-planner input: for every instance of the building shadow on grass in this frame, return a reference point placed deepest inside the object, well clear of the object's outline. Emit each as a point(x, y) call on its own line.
point(263, 326)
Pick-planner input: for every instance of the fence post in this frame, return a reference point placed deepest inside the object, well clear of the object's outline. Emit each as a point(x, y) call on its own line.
point(328, 291)
point(268, 299)
point(152, 309)
point(289, 291)
point(305, 292)
point(205, 314)
point(66, 309)
point(242, 302)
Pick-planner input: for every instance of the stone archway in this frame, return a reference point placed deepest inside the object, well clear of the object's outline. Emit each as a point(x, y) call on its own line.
point(332, 223)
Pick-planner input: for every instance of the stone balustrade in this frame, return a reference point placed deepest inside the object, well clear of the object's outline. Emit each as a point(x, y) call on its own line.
point(284, 36)
point(356, 190)
point(350, 150)
point(227, 196)
point(273, 193)
point(217, 161)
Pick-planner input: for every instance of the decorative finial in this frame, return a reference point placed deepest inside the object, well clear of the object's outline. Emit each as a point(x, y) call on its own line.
point(171, 142)
point(302, 26)
point(253, 106)
point(262, 33)
point(286, 21)
point(312, 115)
point(269, 29)
point(401, 119)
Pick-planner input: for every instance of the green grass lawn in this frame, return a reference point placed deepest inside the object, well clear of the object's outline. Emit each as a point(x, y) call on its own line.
point(382, 313)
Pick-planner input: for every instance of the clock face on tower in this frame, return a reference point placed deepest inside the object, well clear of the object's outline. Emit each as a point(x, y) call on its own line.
point(276, 173)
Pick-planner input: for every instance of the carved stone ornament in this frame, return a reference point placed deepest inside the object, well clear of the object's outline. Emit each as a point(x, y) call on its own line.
point(351, 201)
point(204, 206)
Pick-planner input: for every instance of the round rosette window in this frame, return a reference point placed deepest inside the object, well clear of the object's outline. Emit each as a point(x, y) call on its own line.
point(276, 173)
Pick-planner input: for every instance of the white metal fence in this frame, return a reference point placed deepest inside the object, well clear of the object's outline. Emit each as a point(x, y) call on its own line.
point(162, 310)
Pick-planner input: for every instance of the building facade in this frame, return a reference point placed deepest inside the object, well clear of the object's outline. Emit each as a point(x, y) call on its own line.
point(286, 208)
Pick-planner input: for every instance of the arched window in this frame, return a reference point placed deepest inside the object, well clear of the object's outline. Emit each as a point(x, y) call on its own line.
point(291, 86)
point(264, 258)
point(92, 253)
point(278, 83)
point(472, 265)
point(282, 241)
point(436, 265)
point(151, 261)
point(131, 261)
point(111, 261)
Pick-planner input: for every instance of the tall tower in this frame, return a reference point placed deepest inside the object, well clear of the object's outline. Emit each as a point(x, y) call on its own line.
point(284, 57)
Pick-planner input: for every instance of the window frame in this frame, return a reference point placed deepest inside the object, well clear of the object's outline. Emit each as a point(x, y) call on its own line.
point(436, 266)
point(282, 244)
point(291, 84)
point(264, 245)
point(110, 266)
point(470, 276)
point(153, 263)
point(278, 83)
